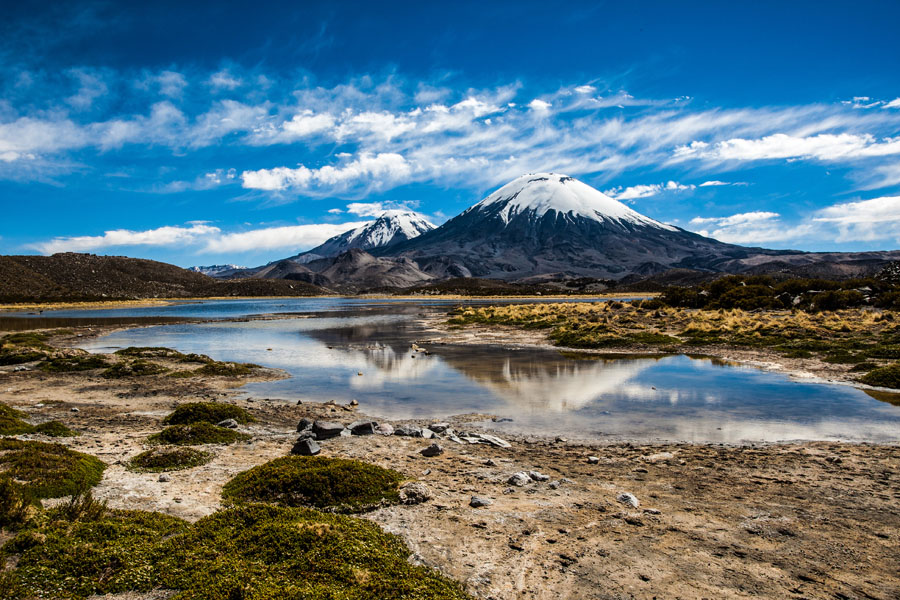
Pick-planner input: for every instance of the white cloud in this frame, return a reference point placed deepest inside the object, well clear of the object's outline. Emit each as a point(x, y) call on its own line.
point(224, 80)
point(366, 209)
point(171, 83)
point(714, 182)
point(374, 170)
point(895, 103)
point(295, 237)
point(90, 87)
point(585, 89)
point(162, 236)
point(539, 105)
point(864, 220)
point(335, 211)
point(307, 123)
point(645, 191)
point(756, 227)
point(825, 146)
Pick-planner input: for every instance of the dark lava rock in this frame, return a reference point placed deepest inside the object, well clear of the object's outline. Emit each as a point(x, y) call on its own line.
point(432, 450)
point(408, 430)
point(306, 447)
point(363, 427)
point(327, 429)
point(304, 424)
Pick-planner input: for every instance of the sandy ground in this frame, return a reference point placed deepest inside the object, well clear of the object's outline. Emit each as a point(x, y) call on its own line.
point(812, 520)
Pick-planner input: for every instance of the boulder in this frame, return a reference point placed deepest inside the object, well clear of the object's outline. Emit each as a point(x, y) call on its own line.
point(432, 450)
point(385, 429)
point(427, 433)
point(362, 427)
point(519, 479)
point(480, 501)
point(538, 476)
point(408, 430)
point(304, 424)
point(439, 427)
point(629, 499)
point(414, 493)
point(327, 429)
point(306, 447)
point(229, 423)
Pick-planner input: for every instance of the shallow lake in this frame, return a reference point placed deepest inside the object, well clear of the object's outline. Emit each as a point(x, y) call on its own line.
point(342, 349)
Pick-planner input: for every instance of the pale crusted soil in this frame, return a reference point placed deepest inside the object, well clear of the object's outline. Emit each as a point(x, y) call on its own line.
point(814, 520)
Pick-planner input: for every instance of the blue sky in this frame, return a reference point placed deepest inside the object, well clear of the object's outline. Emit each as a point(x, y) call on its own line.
point(243, 132)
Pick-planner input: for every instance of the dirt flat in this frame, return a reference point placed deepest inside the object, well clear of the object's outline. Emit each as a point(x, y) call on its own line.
point(811, 520)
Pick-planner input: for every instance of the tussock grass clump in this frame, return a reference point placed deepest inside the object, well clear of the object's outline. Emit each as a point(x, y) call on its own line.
point(79, 362)
point(29, 339)
point(48, 470)
point(12, 422)
point(17, 504)
point(197, 434)
point(209, 412)
point(316, 481)
point(157, 460)
point(133, 368)
point(888, 377)
point(253, 551)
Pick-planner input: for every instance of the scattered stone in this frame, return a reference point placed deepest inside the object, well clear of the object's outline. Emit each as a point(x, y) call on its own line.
point(658, 457)
point(229, 423)
point(306, 434)
point(509, 490)
point(74, 410)
point(306, 447)
point(354, 402)
point(593, 460)
point(408, 431)
point(20, 368)
point(484, 438)
point(561, 440)
point(491, 462)
point(385, 429)
point(304, 424)
point(519, 479)
point(538, 476)
point(362, 427)
point(480, 501)
point(427, 433)
point(439, 427)
point(327, 429)
point(629, 499)
point(554, 485)
point(432, 450)
point(651, 511)
point(164, 477)
point(415, 493)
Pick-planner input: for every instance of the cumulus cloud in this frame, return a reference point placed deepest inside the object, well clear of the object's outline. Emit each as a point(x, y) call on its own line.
point(645, 191)
point(90, 87)
point(539, 105)
point(895, 103)
point(162, 236)
point(224, 80)
point(755, 227)
point(585, 89)
point(293, 237)
point(864, 220)
point(825, 146)
point(376, 170)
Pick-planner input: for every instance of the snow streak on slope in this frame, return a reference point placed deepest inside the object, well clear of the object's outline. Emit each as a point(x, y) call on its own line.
point(542, 192)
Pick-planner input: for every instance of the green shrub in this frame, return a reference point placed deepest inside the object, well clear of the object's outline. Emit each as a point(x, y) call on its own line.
point(196, 434)
point(317, 481)
point(157, 460)
point(254, 551)
point(80, 362)
point(12, 421)
point(17, 356)
point(48, 470)
point(16, 503)
point(133, 368)
point(209, 412)
point(888, 377)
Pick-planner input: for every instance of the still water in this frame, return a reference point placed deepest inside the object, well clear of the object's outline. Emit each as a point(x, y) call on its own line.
point(343, 349)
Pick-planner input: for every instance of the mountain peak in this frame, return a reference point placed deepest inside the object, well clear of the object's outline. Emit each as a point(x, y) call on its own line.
point(539, 193)
point(389, 228)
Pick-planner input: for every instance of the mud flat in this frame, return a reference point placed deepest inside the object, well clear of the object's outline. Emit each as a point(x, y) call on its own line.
point(811, 520)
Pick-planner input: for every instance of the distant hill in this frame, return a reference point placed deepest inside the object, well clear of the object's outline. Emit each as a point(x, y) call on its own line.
point(70, 276)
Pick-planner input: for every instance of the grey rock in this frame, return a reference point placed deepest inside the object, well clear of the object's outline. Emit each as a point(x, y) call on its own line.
point(20, 368)
point(74, 410)
point(415, 493)
point(362, 427)
point(229, 423)
point(432, 450)
point(306, 434)
point(538, 476)
point(385, 429)
point(439, 427)
point(593, 460)
point(629, 499)
point(519, 479)
point(480, 501)
point(408, 430)
point(427, 433)
point(164, 477)
point(306, 447)
point(554, 485)
point(327, 429)
point(304, 424)
point(493, 440)
point(491, 462)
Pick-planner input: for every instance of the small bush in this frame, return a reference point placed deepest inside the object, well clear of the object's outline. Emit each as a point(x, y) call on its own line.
point(133, 368)
point(81, 362)
point(157, 460)
point(196, 434)
point(317, 481)
point(888, 377)
point(16, 504)
point(209, 412)
point(48, 470)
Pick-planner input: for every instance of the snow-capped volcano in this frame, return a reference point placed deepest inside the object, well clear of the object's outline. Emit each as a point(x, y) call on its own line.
point(539, 193)
point(545, 223)
point(391, 227)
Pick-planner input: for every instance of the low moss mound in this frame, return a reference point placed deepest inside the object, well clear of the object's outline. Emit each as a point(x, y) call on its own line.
point(133, 368)
point(158, 460)
point(12, 422)
point(48, 470)
point(888, 377)
point(81, 362)
point(317, 481)
point(253, 551)
point(196, 434)
point(17, 356)
point(149, 352)
point(55, 429)
point(217, 368)
point(30, 339)
point(209, 412)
